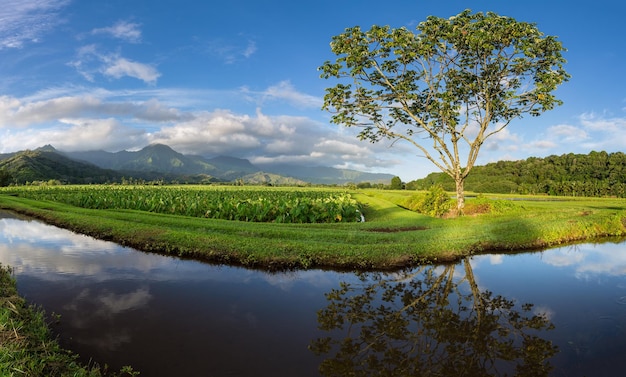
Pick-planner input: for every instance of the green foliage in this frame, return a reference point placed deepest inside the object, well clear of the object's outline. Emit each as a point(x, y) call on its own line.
point(592, 175)
point(5, 178)
point(436, 202)
point(396, 183)
point(426, 87)
point(482, 204)
point(244, 204)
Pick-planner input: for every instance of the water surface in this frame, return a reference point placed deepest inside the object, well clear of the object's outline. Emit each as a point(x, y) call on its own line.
point(166, 316)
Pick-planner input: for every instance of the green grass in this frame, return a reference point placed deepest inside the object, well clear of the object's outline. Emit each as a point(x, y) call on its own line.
point(391, 237)
point(27, 347)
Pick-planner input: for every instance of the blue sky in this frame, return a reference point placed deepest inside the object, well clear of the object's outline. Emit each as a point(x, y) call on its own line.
point(240, 78)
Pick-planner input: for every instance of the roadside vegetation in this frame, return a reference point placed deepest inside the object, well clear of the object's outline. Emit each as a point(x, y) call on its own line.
point(27, 347)
point(394, 234)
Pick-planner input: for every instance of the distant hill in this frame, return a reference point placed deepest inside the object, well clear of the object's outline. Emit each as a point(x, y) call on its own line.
point(45, 165)
point(160, 162)
point(326, 175)
point(261, 178)
point(593, 174)
point(161, 158)
point(153, 158)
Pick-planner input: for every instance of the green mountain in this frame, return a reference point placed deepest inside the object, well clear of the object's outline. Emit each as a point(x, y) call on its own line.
point(160, 162)
point(157, 158)
point(44, 165)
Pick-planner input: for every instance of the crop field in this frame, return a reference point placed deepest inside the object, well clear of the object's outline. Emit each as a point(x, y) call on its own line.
point(253, 204)
point(310, 227)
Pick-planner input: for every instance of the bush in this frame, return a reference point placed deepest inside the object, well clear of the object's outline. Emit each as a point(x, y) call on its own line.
point(436, 202)
point(482, 204)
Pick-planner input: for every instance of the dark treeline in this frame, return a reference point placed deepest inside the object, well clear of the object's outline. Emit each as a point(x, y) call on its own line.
point(593, 174)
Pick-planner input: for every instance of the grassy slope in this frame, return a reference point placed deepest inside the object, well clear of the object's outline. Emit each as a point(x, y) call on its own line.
point(391, 237)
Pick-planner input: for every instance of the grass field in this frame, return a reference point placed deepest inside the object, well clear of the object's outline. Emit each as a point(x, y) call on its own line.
point(391, 237)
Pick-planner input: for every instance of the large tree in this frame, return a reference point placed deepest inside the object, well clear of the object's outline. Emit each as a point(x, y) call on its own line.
point(445, 88)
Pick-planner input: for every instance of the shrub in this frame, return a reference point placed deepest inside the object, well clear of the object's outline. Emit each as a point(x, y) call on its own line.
point(435, 202)
point(482, 204)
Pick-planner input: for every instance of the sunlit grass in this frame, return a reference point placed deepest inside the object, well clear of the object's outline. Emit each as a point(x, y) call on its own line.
point(391, 236)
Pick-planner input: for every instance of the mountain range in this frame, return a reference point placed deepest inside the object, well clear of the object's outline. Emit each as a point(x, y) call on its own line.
point(160, 162)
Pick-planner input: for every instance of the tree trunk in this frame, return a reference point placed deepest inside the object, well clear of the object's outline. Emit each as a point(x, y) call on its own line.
point(460, 195)
point(478, 302)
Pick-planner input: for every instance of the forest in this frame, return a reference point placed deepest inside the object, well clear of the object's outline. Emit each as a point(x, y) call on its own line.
point(597, 174)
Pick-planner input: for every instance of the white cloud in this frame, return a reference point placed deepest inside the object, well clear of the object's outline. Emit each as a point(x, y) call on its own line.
point(91, 134)
point(124, 30)
point(77, 135)
point(542, 144)
point(217, 132)
point(89, 62)
point(340, 147)
point(594, 122)
point(119, 67)
point(606, 133)
point(278, 147)
point(267, 139)
point(24, 21)
point(566, 133)
point(18, 113)
point(501, 140)
point(78, 119)
point(22, 113)
point(285, 91)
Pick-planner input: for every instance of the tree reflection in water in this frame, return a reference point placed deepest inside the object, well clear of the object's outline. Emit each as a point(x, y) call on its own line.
point(429, 322)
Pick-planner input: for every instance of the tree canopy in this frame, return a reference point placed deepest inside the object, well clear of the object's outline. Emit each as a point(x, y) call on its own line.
point(593, 174)
point(396, 183)
point(445, 88)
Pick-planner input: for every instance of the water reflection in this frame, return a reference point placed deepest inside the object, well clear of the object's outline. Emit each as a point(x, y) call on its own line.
point(163, 315)
point(580, 288)
point(167, 316)
point(590, 261)
point(433, 321)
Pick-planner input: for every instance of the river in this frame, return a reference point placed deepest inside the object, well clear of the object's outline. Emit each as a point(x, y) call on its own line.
point(559, 312)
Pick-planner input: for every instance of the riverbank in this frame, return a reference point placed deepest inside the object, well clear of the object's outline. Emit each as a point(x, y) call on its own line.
point(392, 237)
point(27, 346)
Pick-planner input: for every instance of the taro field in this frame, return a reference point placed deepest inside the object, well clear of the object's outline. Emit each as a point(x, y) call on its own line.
point(256, 204)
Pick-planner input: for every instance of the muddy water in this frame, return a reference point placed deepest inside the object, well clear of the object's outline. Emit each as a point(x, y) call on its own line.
point(166, 316)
